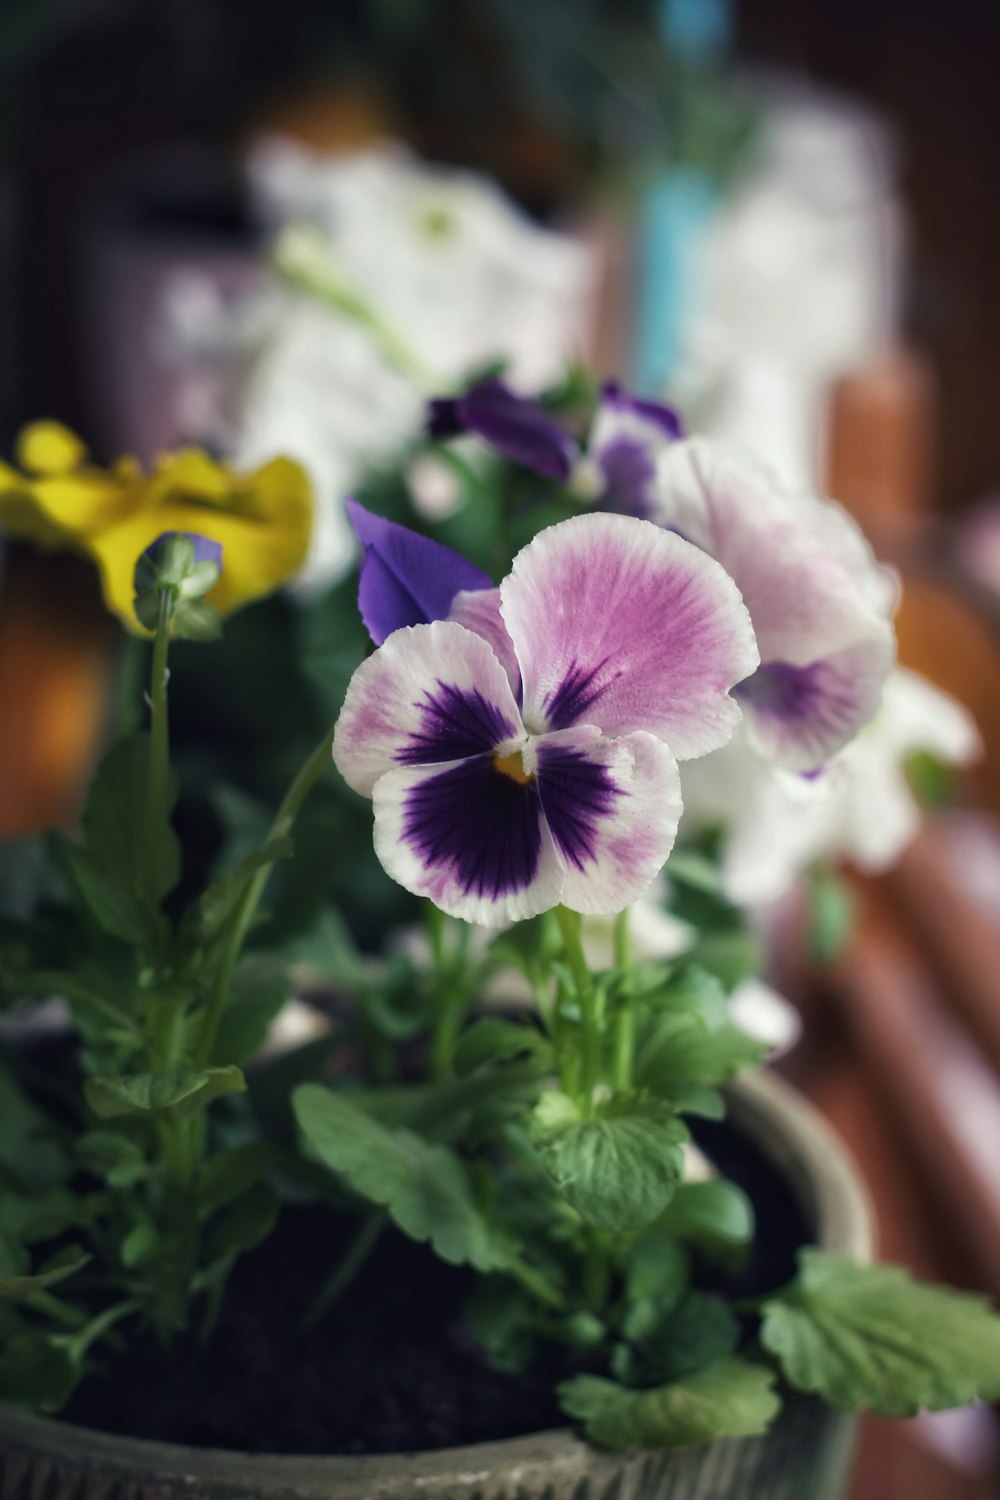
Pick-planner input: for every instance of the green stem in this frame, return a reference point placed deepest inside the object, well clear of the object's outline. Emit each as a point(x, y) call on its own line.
point(77, 1344)
point(158, 785)
point(128, 693)
point(624, 1036)
point(534, 1282)
point(590, 1038)
point(305, 780)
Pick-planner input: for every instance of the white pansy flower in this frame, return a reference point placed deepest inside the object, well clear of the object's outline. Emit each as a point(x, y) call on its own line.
point(860, 808)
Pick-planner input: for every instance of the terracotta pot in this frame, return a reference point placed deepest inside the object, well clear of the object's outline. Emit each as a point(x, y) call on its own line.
point(807, 1452)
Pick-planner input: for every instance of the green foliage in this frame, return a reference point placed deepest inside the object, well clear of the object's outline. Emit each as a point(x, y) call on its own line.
point(617, 1166)
point(180, 1090)
point(425, 1187)
point(110, 868)
point(716, 1216)
point(869, 1335)
point(727, 1399)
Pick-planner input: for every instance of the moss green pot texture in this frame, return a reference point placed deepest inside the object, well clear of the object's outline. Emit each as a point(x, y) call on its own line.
point(805, 1456)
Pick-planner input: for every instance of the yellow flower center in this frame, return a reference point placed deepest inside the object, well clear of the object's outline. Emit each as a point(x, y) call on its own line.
point(512, 765)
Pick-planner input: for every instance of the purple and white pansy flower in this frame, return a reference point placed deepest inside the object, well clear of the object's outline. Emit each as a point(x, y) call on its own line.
point(505, 783)
point(820, 604)
point(513, 425)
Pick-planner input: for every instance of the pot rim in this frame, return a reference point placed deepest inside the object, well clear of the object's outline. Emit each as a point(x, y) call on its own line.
point(786, 1126)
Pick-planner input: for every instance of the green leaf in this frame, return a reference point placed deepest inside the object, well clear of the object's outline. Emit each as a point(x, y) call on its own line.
point(36, 1371)
point(111, 867)
point(242, 1224)
point(717, 1216)
point(66, 1263)
point(220, 899)
point(504, 1318)
point(424, 1186)
point(116, 1158)
point(259, 988)
point(872, 1336)
point(141, 1245)
point(728, 1399)
point(618, 1167)
point(230, 1173)
point(182, 1089)
point(494, 1040)
point(656, 1277)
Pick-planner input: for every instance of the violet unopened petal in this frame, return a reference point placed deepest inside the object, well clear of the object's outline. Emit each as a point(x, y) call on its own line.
point(513, 425)
point(799, 716)
point(612, 806)
point(470, 837)
point(406, 578)
point(431, 694)
point(620, 624)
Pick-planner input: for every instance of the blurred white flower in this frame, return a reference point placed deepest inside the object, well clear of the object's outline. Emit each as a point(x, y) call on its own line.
point(776, 824)
point(396, 281)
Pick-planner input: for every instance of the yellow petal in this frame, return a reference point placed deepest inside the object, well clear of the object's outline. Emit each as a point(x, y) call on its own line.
point(263, 523)
point(49, 448)
point(86, 501)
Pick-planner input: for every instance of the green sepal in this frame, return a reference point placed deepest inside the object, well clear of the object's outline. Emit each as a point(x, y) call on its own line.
point(870, 1336)
point(728, 1399)
point(180, 1089)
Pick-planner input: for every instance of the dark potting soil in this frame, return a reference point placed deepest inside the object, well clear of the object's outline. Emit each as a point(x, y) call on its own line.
point(391, 1367)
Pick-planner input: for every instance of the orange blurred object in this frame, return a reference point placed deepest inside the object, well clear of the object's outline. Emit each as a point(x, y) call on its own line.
point(55, 676)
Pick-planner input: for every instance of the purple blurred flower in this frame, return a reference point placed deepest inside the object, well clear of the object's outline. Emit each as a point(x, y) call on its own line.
point(513, 425)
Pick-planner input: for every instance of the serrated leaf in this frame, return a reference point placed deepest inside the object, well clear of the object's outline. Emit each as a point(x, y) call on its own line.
point(618, 1167)
point(871, 1336)
point(494, 1040)
point(424, 1186)
point(728, 1399)
point(182, 1089)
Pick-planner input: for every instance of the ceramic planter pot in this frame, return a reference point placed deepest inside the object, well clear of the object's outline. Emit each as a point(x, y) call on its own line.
point(807, 1452)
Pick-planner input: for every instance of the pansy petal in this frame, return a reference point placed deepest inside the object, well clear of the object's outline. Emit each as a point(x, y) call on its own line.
point(798, 716)
point(626, 438)
point(471, 838)
point(513, 425)
point(406, 578)
point(620, 624)
point(809, 580)
point(432, 694)
point(479, 610)
point(612, 807)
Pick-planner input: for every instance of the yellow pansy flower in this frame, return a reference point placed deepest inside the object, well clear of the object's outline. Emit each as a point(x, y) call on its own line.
point(262, 519)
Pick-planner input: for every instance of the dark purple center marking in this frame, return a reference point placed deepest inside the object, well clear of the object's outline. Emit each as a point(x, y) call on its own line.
point(482, 824)
point(576, 794)
point(628, 470)
point(455, 723)
point(816, 694)
point(566, 703)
